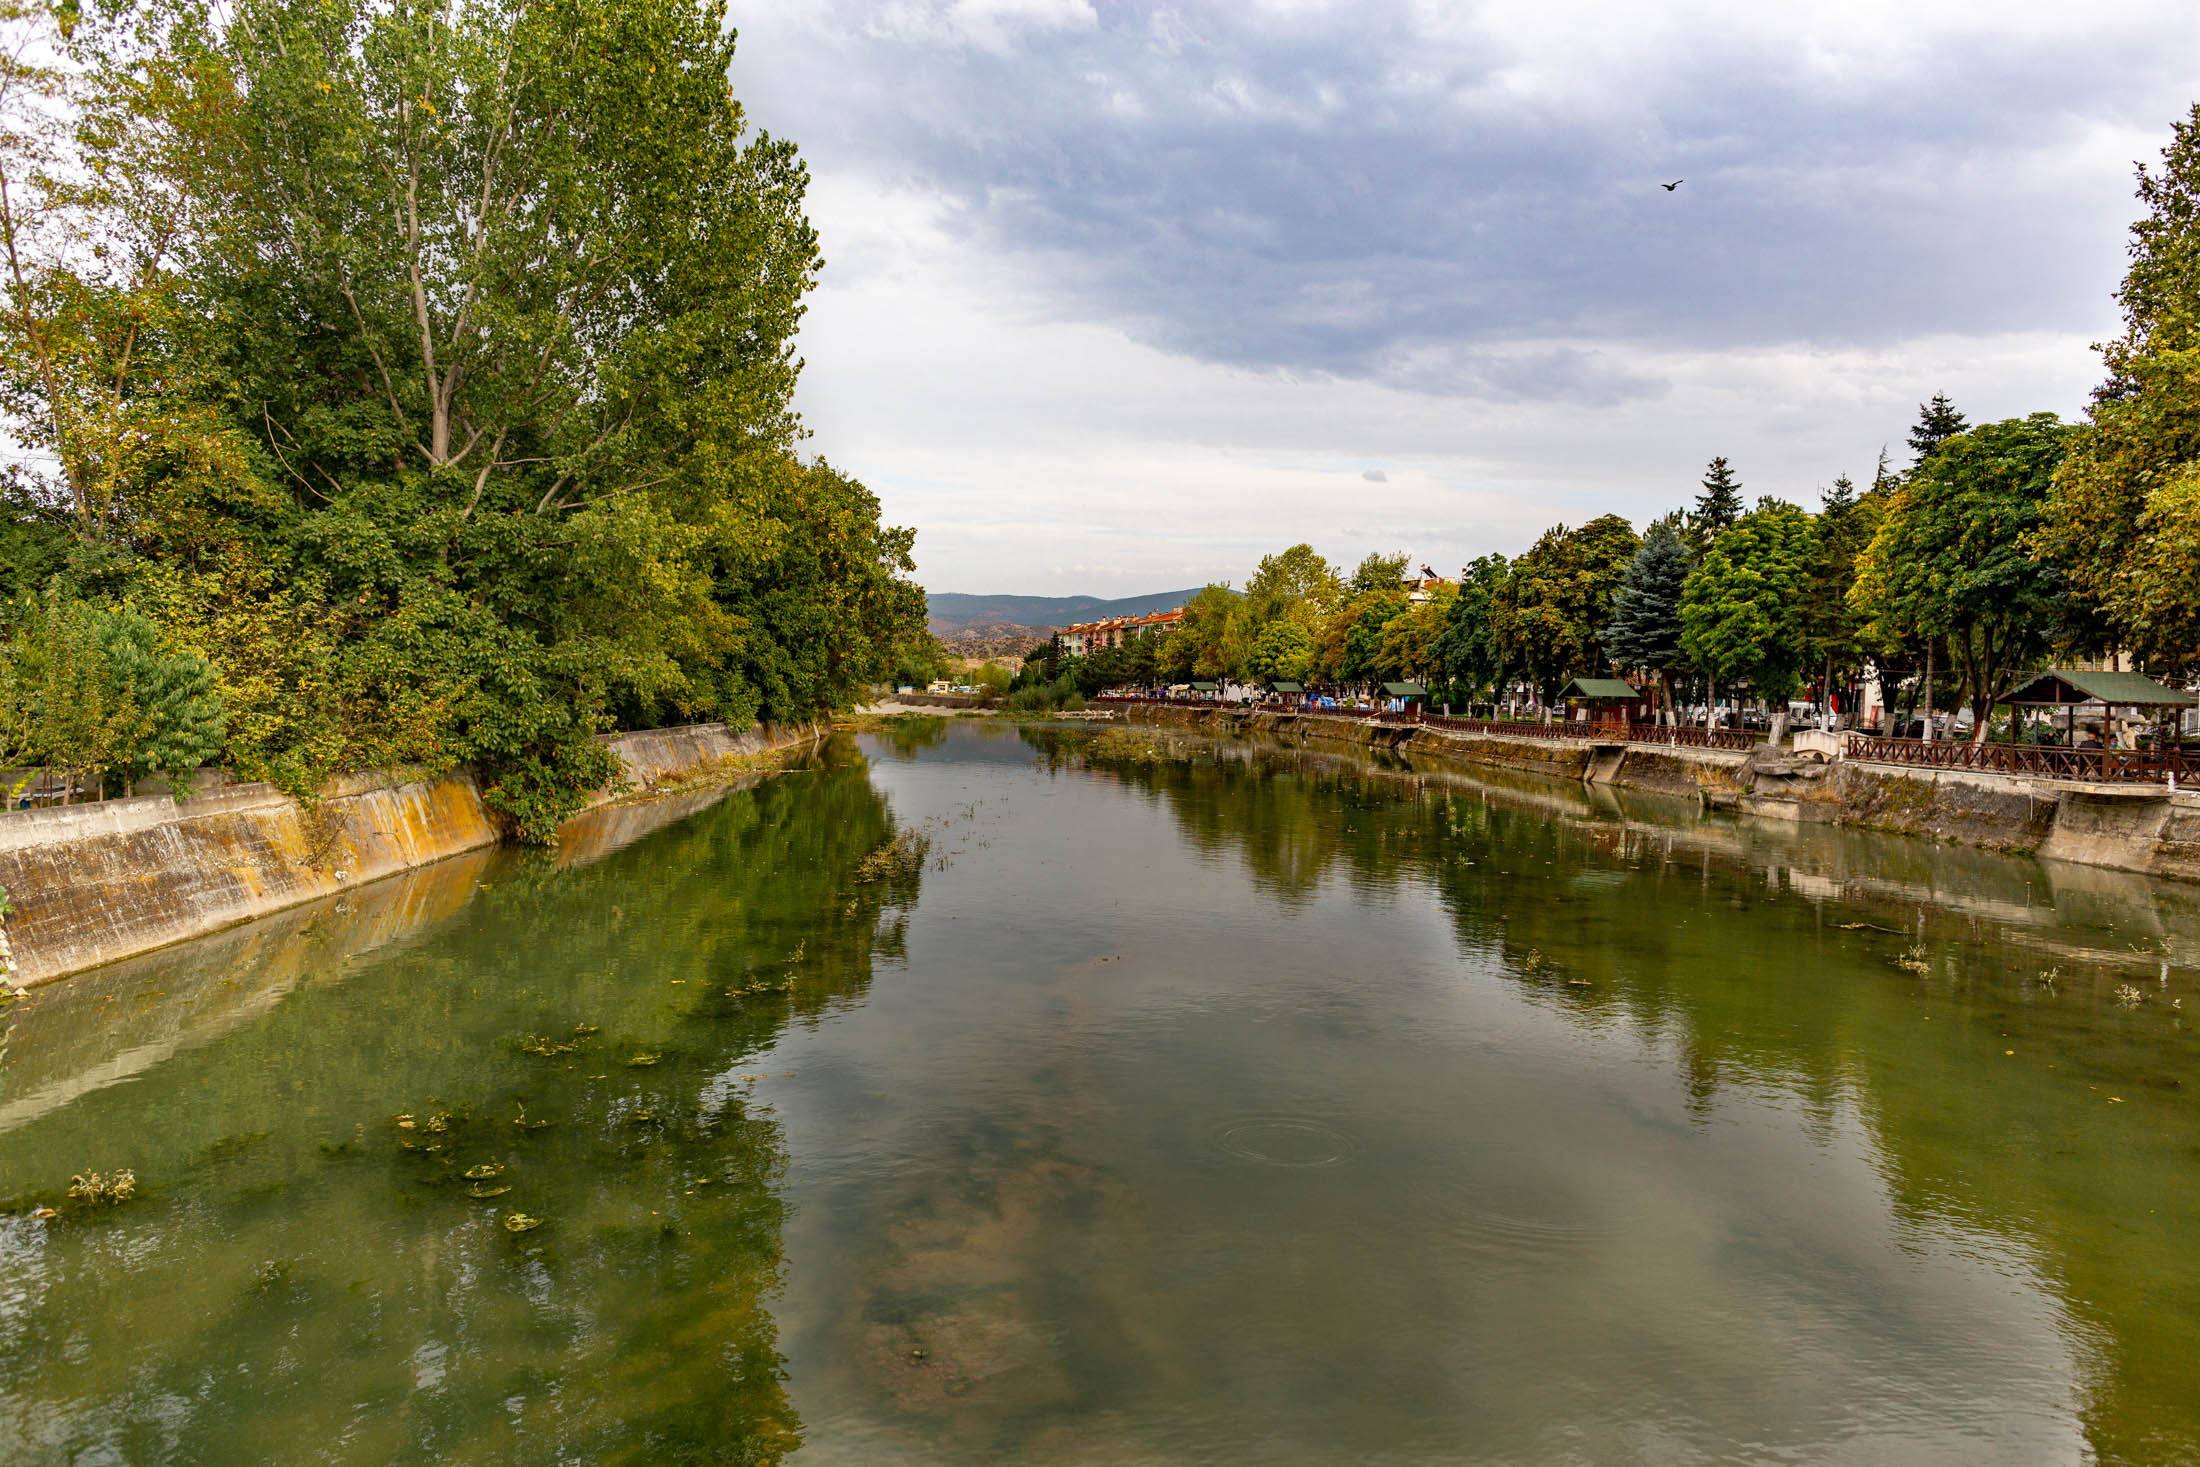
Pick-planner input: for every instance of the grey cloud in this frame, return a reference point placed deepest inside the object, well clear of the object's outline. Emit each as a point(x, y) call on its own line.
point(1375, 476)
point(1337, 191)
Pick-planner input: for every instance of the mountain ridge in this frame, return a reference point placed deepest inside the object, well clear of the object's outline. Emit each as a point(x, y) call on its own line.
point(954, 612)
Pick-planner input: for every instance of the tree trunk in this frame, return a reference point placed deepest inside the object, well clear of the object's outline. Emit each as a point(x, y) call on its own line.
point(1927, 688)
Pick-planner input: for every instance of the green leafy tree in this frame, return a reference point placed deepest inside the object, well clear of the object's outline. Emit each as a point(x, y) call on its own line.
point(1953, 555)
point(1378, 572)
point(1365, 656)
point(1549, 616)
point(2120, 485)
point(175, 719)
point(1645, 630)
point(1832, 626)
point(1413, 640)
point(1283, 651)
point(1291, 581)
point(1468, 646)
point(1937, 422)
point(1741, 611)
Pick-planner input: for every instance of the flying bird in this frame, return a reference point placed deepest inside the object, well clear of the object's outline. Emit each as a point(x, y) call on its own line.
point(1676, 183)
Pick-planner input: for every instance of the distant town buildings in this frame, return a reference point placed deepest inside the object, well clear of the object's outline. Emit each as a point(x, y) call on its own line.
point(1088, 637)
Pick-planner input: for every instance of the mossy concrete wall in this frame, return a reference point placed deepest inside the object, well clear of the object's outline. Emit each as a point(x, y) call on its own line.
point(94, 883)
point(2154, 831)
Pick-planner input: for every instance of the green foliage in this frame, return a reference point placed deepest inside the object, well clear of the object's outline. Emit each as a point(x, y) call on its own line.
point(1467, 646)
point(1741, 611)
point(91, 693)
point(1645, 630)
point(537, 794)
point(1378, 572)
point(1937, 422)
point(1717, 507)
point(2114, 519)
point(1290, 580)
point(433, 380)
point(1953, 554)
point(1058, 696)
point(1284, 651)
point(1549, 616)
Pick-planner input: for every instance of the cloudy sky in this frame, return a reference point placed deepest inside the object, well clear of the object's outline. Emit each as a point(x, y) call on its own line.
point(1119, 297)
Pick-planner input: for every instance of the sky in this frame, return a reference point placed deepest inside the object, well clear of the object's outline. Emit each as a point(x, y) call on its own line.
point(1121, 297)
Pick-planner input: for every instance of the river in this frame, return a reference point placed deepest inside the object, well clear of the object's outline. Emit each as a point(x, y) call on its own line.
point(983, 1093)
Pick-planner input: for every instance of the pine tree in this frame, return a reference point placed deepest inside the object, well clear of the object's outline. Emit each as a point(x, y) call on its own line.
point(1717, 508)
point(1645, 630)
point(1937, 422)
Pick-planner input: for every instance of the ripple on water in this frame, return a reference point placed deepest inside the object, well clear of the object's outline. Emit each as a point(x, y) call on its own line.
point(1284, 1141)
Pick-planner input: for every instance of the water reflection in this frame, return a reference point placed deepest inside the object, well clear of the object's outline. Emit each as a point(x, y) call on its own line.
point(335, 1136)
point(2008, 1035)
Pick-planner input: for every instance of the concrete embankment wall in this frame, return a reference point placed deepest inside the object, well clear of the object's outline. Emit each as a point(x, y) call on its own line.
point(2153, 831)
point(94, 883)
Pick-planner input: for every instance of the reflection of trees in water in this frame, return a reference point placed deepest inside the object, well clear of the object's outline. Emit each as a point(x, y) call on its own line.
point(1775, 980)
point(906, 735)
point(311, 1281)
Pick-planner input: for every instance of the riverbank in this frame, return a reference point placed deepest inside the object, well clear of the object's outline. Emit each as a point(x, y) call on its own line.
point(91, 884)
point(2150, 830)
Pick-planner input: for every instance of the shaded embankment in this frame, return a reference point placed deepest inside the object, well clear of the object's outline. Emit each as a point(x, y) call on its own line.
point(92, 884)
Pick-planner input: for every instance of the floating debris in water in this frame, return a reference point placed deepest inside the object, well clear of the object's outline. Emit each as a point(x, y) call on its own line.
point(536, 1044)
point(483, 1171)
point(44, 1213)
point(584, 1030)
point(520, 1222)
point(480, 1191)
point(1913, 961)
point(643, 1059)
point(440, 1121)
point(111, 1190)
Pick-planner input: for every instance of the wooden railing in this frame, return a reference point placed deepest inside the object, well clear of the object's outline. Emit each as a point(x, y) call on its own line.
point(2046, 761)
point(1740, 739)
point(1506, 728)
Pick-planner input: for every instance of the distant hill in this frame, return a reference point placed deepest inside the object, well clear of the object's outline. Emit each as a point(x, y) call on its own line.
point(954, 613)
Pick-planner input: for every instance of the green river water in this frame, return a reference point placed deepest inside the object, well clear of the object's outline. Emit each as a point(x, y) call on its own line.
point(994, 1094)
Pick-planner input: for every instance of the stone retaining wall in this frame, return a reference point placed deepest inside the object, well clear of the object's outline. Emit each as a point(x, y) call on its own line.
point(2153, 831)
point(94, 883)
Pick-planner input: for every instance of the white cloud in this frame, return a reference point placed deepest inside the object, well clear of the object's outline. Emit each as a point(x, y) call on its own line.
point(1121, 299)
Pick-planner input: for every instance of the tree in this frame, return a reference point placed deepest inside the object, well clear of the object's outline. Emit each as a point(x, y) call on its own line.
point(1283, 651)
point(1741, 611)
point(1831, 625)
point(1717, 507)
point(1645, 630)
point(1550, 615)
point(1937, 422)
point(1413, 640)
point(1289, 580)
point(1953, 555)
point(1468, 645)
point(175, 719)
point(2120, 484)
point(1378, 572)
point(431, 371)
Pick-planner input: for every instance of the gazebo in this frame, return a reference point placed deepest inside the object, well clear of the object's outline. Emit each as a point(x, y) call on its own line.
point(2070, 690)
point(1613, 703)
point(1406, 697)
point(1290, 692)
point(1204, 689)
